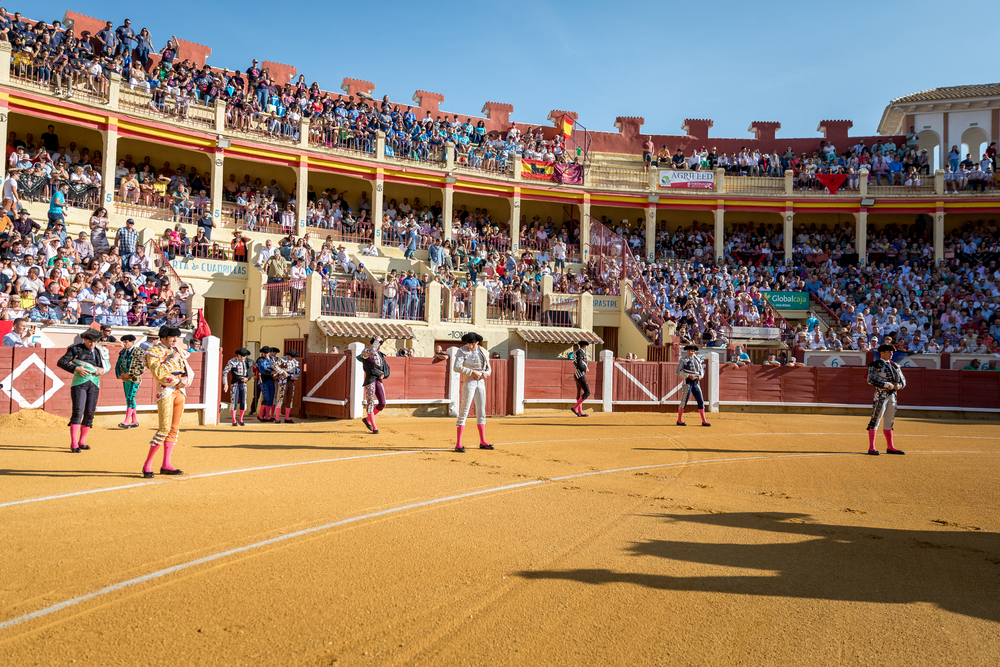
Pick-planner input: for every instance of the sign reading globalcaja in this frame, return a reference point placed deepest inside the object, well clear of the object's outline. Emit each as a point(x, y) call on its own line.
point(788, 300)
point(211, 268)
point(699, 180)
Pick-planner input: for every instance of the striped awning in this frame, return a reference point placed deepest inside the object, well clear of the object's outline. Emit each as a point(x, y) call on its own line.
point(363, 329)
point(561, 336)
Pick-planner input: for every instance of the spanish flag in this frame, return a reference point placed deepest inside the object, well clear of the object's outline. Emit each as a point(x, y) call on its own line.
point(566, 127)
point(538, 169)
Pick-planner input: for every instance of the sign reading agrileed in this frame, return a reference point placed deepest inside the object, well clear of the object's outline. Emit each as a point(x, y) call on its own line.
point(788, 300)
point(213, 269)
point(698, 180)
point(605, 303)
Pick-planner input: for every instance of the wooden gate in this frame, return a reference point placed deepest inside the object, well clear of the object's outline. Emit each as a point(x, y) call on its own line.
point(500, 389)
point(326, 385)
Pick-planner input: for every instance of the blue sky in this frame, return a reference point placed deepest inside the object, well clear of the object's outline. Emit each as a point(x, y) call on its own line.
point(735, 62)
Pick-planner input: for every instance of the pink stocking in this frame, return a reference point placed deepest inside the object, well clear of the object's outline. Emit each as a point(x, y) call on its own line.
point(888, 438)
point(871, 439)
point(168, 448)
point(680, 415)
point(148, 467)
point(482, 434)
point(242, 412)
point(84, 430)
point(461, 429)
point(74, 436)
point(234, 416)
point(702, 413)
point(288, 414)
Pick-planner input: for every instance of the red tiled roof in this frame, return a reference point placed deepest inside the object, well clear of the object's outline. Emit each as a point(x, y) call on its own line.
point(951, 93)
point(561, 336)
point(365, 330)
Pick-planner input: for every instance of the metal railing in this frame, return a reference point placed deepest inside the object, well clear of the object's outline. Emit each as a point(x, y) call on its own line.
point(340, 232)
point(324, 135)
point(514, 308)
point(762, 185)
point(626, 178)
point(563, 311)
point(81, 86)
point(157, 103)
point(485, 159)
point(284, 299)
point(262, 126)
point(348, 298)
point(405, 303)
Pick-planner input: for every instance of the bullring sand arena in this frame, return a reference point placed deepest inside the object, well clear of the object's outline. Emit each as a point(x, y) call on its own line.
point(768, 539)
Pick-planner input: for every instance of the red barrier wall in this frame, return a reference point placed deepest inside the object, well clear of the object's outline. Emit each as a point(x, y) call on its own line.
point(553, 380)
point(925, 387)
point(31, 383)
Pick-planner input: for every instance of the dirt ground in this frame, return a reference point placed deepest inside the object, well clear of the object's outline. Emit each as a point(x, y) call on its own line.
point(615, 540)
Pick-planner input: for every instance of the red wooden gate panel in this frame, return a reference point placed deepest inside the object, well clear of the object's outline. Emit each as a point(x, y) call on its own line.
point(326, 385)
point(833, 385)
point(500, 389)
point(734, 383)
point(798, 385)
point(425, 378)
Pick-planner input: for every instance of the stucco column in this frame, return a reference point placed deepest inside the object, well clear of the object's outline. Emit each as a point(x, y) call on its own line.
point(432, 304)
point(380, 146)
point(301, 194)
point(448, 209)
point(789, 181)
point(479, 304)
point(110, 150)
point(218, 174)
point(939, 182)
point(314, 296)
point(5, 50)
point(720, 229)
point(789, 231)
point(861, 240)
point(304, 133)
point(651, 232)
point(220, 116)
point(114, 89)
point(4, 110)
point(517, 166)
point(863, 182)
point(720, 180)
point(515, 220)
point(377, 204)
point(939, 232)
point(449, 155)
point(585, 230)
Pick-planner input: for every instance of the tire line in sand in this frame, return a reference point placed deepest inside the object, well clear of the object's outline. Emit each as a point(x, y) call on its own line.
point(277, 466)
point(393, 510)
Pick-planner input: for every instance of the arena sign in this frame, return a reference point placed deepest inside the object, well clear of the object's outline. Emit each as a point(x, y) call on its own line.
point(762, 333)
point(788, 300)
point(691, 180)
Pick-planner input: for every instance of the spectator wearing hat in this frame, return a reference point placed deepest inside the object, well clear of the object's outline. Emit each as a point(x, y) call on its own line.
point(472, 362)
point(129, 369)
point(887, 378)
point(173, 375)
point(235, 376)
point(286, 372)
point(87, 361)
point(691, 369)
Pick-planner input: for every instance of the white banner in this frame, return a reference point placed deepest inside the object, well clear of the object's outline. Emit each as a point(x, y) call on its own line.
point(765, 333)
point(699, 180)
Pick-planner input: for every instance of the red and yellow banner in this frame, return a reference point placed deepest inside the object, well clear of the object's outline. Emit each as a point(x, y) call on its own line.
point(538, 169)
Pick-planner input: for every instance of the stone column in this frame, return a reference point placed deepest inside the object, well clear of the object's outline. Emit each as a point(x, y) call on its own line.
point(720, 229)
point(114, 89)
point(585, 230)
point(314, 296)
point(304, 133)
point(720, 179)
point(515, 220)
point(377, 204)
point(517, 167)
point(301, 194)
point(789, 231)
point(220, 116)
point(448, 209)
point(939, 182)
point(863, 182)
point(939, 231)
point(110, 150)
point(218, 176)
point(861, 240)
point(432, 303)
point(5, 71)
point(380, 146)
point(479, 304)
point(650, 248)
point(449, 155)
point(789, 181)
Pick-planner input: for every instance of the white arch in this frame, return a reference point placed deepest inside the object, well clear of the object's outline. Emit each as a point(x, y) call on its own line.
point(973, 140)
point(930, 141)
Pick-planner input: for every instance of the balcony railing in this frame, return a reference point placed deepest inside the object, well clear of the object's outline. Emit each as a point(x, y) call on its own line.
point(625, 178)
point(348, 299)
point(284, 299)
point(157, 103)
point(513, 308)
point(86, 88)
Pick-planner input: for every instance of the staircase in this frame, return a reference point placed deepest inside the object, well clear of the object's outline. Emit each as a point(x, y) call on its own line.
point(823, 313)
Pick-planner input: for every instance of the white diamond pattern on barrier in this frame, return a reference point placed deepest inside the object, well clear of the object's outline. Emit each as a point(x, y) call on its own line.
point(7, 384)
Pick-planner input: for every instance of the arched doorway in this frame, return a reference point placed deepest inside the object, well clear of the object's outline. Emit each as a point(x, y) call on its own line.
point(930, 141)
